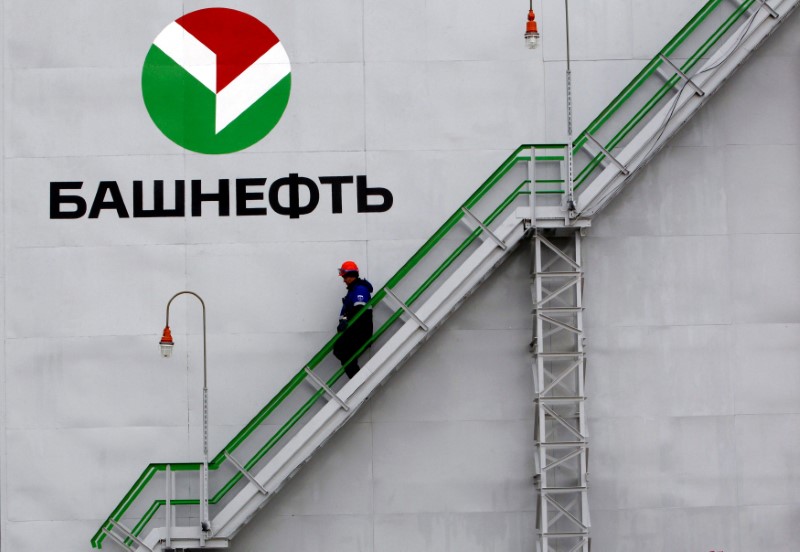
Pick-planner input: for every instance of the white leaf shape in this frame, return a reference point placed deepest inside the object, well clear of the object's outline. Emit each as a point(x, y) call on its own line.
point(251, 84)
point(191, 54)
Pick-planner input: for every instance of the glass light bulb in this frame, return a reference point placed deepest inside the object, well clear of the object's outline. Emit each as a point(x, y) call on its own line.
point(532, 40)
point(166, 349)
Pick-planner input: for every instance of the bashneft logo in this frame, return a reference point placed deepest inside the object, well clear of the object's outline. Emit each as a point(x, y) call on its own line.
point(216, 80)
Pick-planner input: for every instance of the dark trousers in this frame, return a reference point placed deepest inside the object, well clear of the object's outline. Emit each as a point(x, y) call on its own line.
point(351, 341)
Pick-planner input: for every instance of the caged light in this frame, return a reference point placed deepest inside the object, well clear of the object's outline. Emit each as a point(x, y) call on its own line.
point(166, 343)
point(531, 30)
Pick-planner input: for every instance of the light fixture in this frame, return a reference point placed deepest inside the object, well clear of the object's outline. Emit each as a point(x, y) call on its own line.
point(166, 351)
point(166, 343)
point(531, 30)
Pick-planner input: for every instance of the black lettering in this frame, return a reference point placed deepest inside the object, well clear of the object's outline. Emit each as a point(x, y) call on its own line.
point(250, 198)
point(336, 189)
point(242, 196)
point(116, 203)
point(222, 196)
point(363, 193)
point(158, 200)
point(294, 209)
point(57, 200)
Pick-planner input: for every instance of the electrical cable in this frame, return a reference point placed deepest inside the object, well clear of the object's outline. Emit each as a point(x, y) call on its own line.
point(725, 58)
point(676, 99)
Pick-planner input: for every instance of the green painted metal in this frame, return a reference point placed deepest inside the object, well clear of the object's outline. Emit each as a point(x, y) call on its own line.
point(137, 529)
point(647, 71)
point(287, 389)
point(521, 154)
point(645, 74)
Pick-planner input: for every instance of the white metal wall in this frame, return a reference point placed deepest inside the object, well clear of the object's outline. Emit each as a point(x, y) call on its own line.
point(693, 319)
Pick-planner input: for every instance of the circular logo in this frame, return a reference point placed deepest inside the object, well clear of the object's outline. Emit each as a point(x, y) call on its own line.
point(216, 80)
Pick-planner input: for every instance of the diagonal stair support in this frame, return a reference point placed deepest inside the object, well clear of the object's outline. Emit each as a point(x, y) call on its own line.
point(328, 391)
point(408, 312)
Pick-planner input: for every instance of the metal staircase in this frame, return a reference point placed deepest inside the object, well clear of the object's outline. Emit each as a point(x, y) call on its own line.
point(525, 198)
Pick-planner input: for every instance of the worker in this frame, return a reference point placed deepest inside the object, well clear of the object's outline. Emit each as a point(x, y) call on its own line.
point(355, 334)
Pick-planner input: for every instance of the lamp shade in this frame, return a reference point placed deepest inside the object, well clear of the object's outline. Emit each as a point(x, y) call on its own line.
point(166, 343)
point(531, 31)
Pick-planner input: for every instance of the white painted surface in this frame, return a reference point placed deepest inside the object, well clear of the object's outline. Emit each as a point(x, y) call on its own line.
point(693, 317)
point(433, 106)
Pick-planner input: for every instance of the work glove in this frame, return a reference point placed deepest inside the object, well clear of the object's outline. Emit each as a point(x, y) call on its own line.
point(342, 326)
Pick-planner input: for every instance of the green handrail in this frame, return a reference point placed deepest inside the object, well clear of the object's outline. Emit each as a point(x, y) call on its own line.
point(154, 507)
point(645, 74)
point(519, 155)
point(218, 460)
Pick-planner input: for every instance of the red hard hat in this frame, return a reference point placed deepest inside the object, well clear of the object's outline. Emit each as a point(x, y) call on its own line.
point(348, 266)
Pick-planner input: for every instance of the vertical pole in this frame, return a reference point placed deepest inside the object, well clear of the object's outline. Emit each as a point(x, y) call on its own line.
point(168, 495)
point(532, 186)
point(570, 198)
point(202, 502)
point(205, 523)
point(541, 418)
point(581, 386)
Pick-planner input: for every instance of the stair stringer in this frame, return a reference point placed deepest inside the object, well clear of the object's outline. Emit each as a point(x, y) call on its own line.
point(321, 427)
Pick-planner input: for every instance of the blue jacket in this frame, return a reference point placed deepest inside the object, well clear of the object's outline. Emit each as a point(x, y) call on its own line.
point(358, 294)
